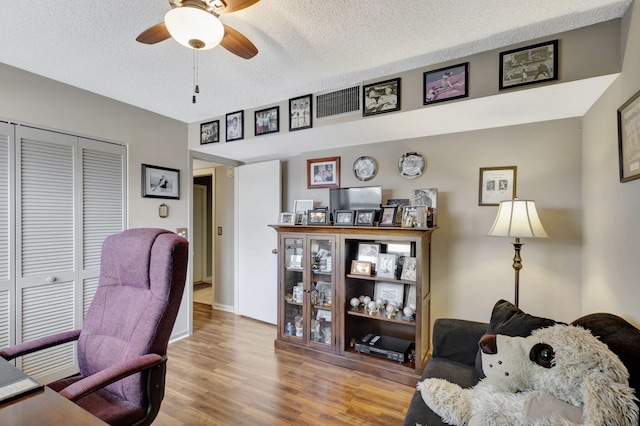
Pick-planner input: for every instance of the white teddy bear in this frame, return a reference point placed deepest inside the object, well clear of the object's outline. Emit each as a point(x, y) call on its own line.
point(560, 375)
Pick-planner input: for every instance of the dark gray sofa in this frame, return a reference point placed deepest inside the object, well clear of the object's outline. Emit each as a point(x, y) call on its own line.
point(455, 349)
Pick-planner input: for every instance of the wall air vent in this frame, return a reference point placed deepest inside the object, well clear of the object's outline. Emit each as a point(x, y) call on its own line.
point(337, 103)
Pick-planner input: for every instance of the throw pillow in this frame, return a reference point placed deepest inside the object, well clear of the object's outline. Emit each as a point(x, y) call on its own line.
point(510, 320)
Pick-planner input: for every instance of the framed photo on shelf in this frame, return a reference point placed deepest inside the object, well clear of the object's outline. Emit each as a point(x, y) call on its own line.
point(235, 126)
point(286, 218)
point(160, 182)
point(497, 184)
point(381, 97)
point(300, 112)
point(388, 215)
point(411, 296)
point(390, 293)
point(267, 121)
point(361, 267)
point(529, 65)
point(386, 266)
point(323, 172)
point(210, 132)
point(401, 203)
point(343, 217)
point(318, 217)
point(368, 252)
point(445, 84)
point(365, 217)
point(629, 139)
point(300, 208)
point(409, 269)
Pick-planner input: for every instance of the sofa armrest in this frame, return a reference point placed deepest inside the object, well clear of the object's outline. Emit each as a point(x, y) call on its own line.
point(457, 340)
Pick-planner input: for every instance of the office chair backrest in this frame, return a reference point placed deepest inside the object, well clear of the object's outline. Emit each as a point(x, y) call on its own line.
point(142, 279)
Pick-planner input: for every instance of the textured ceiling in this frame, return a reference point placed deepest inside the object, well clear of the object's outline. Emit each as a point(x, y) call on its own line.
point(305, 46)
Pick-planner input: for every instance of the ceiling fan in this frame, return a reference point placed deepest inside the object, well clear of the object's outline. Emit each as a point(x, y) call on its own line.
point(195, 24)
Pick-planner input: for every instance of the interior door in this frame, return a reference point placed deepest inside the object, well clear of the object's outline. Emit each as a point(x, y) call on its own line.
point(258, 195)
point(199, 236)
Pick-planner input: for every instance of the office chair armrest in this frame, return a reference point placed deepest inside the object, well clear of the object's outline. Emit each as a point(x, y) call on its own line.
point(92, 383)
point(39, 344)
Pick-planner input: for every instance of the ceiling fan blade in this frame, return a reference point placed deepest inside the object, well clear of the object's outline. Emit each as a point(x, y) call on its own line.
point(238, 44)
point(235, 5)
point(155, 34)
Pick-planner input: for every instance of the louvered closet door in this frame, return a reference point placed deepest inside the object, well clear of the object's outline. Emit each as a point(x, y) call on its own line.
point(46, 269)
point(7, 259)
point(103, 207)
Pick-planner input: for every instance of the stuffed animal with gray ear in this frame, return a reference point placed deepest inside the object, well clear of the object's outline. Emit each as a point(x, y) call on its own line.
point(560, 375)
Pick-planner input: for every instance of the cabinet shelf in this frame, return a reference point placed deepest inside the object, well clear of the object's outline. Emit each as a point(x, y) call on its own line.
point(376, 278)
point(380, 316)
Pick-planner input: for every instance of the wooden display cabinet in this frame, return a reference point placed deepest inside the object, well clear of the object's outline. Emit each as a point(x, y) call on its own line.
point(300, 265)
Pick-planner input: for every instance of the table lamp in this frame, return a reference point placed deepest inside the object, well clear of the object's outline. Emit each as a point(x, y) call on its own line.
point(517, 219)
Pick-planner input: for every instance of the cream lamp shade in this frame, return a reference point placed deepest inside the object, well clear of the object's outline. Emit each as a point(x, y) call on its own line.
point(518, 219)
point(194, 28)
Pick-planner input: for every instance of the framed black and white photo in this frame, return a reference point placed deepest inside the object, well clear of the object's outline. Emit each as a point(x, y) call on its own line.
point(388, 215)
point(300, 112)
point(409, 269)
point(235, 126)
point(390, 292)
point(629, 139)
point(368, 252)
point(267, 121)
point(323, 173)
point(386, 266)
point(365, 217)
point(343, 217)
point(529, 65)
point(445, 84)
point(497, 184)
point(160, 182)
point(210, 132)
point(286, 218)
point(317, 217)
point(381, 97)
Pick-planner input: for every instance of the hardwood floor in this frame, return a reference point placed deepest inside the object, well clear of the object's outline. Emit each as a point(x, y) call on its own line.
point(228, 373)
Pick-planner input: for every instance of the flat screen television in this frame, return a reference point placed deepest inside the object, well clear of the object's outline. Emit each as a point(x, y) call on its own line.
point(363, 197)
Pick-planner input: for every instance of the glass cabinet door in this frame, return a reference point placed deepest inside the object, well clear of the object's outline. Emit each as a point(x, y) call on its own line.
point(293, 284)
point(322, 290)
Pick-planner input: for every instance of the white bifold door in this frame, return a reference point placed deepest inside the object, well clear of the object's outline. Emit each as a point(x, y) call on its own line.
point(65, 195)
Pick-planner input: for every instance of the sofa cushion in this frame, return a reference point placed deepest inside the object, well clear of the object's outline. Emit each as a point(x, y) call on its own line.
point(509, 320)
point(454, 372)
point(621, 337)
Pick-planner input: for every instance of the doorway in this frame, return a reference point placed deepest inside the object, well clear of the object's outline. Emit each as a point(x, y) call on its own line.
point(202, 236)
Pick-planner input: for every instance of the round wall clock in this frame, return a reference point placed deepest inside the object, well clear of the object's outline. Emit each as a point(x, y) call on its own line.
point(365, 168)
point(411, 165)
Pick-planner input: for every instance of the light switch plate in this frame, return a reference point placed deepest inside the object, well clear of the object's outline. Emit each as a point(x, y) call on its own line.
point(182, 232)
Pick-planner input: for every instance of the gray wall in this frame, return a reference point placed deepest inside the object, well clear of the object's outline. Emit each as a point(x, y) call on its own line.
point(611, 226)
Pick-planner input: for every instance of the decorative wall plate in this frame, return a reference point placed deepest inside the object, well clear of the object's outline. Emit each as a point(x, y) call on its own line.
point(365, 168)
point(411, 165)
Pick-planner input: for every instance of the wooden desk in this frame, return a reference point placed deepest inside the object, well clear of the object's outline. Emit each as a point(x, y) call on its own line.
point(42, 407)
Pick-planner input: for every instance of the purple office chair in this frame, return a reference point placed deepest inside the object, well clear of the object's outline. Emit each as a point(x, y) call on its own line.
point(123, 343)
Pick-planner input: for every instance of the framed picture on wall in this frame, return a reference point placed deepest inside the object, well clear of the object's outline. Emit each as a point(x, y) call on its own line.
point(629, 139)
point(323, 173)
point(497, 184)
point(300, 110)
point(529, 65)
point(210, 132)
point(235, 126)
point(267, 121)
point(160, 182)
point(381, 97)
point(445, 84)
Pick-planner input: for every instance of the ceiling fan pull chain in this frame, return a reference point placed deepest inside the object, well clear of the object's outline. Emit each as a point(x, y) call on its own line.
point(195, 75)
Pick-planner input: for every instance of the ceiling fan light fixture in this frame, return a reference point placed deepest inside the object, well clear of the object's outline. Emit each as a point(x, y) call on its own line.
point(194, 28)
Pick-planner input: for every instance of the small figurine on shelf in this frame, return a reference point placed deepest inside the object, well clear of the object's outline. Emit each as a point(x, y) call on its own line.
point(390, 311)
point(289, 329)
point(408, 313)
point(355, 303)
point(315, 297)
point(372, 308)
